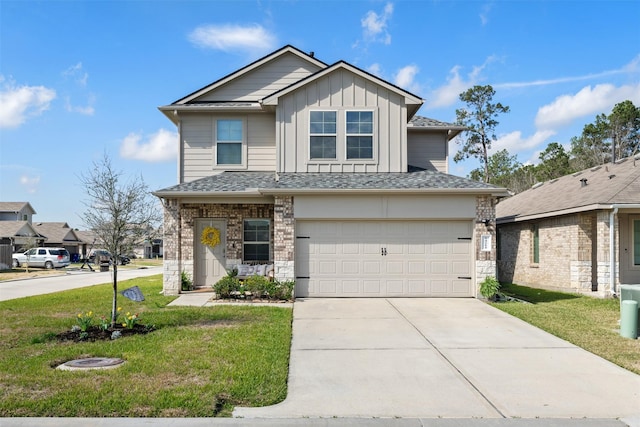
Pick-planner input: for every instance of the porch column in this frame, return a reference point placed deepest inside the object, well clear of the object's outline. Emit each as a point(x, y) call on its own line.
point(485, 257)
point(283, 238)
point(171, 241)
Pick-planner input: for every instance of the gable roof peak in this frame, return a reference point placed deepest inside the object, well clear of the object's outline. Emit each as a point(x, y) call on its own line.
point(247, 68)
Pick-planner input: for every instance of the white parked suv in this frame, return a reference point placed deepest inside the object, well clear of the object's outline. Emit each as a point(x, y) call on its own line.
point(42, 257)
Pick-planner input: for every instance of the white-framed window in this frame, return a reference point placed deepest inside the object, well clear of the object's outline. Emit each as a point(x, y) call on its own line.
point(229, 142)
point(256, 240)
point(359, 134)
point(322, 134)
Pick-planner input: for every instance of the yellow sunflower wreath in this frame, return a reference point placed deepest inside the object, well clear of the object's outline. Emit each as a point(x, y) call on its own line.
point(210, 237)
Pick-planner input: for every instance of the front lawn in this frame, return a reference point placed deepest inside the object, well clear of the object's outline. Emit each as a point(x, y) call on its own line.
point(199, 362)
point(590, 323)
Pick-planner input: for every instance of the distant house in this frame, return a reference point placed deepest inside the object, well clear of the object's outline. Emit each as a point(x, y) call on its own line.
point(15, 235)
point(327, 174)
point(16, 211)
point(578, 233)
point(59, 234)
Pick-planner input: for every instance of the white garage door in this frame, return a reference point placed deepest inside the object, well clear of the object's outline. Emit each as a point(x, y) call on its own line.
point(384, 259)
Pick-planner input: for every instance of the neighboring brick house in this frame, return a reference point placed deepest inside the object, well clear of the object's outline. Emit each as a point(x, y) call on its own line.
point(326, 172)
point(567, 233)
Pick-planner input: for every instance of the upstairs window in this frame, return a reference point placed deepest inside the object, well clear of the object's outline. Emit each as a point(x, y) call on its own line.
point(359, 134)
point(229, 138)
point(322, 135)
point(256, 240)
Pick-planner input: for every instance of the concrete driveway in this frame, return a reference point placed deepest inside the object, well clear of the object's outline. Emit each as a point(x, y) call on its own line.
point(430, 358)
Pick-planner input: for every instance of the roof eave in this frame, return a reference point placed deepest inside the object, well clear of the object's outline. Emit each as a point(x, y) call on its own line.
point(299, 191)
point(542, 215)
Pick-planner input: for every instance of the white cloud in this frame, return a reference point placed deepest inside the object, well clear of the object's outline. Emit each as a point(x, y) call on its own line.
point(405, 78)
point(630, 68)
point(17, 103)
point(514, 143)
point(159, 147)
point(87, 110)
point(588, 101)
point(375, 69)
point(375, 26)
point(229, 37)
point(30, 183)
point(77, 73)
point(449, 93)
point(484, 15)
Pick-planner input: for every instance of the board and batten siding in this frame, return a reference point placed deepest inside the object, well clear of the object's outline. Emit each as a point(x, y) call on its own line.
point(428, 150)
point(197, 144)
point(342, 90)
point(259, 83)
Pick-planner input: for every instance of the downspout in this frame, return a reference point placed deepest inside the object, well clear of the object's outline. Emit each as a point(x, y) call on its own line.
point(612, 251)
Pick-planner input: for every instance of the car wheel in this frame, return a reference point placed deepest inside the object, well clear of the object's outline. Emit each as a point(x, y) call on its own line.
point(48, 265)
point(15, 263)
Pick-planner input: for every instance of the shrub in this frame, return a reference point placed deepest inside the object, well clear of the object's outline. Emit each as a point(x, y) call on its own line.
point(186, 282)
point(283, 290)
point(225, 286)
point(489, 287)
point(257, 285)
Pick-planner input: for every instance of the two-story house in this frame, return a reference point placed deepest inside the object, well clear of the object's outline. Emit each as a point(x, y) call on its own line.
point(326, 172)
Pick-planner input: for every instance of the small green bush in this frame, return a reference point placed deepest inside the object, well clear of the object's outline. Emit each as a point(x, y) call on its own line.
point(283, 290)
point(489, 287)
point(257, 285)
point(185, 281)
point(225, 286)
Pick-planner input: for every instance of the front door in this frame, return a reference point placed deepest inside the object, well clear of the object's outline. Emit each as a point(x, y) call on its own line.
point(209, 261)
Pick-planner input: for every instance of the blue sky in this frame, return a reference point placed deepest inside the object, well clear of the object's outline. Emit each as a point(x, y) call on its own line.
point(82, 78)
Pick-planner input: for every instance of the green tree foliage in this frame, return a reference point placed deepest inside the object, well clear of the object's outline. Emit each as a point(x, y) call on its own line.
point(501, 167)
point(610, 137)
point(624, 125)
point(620, 130)
point(120, 212)
point(554, 163)
point(479, 117)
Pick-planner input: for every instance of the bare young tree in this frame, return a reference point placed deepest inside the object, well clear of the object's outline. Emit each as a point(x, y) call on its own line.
point(480, 118)
point(119, 211)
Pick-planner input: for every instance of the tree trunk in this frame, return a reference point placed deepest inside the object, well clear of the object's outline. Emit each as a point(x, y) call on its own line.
point(114, 305)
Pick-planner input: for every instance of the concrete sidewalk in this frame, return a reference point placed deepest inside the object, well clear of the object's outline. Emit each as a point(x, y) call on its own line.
point(449, 358)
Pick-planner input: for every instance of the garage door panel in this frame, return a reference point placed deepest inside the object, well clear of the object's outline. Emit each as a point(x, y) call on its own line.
point(395, 267)
point(327, 287)
point(372, 287)
point(417, 287)
point(351, 287)
point(420, 258)
point(395, 287)
point(371, 267)
point(350, 267)
point(416, 267)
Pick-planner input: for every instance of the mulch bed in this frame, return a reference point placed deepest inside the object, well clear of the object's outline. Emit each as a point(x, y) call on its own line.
point(95, 333)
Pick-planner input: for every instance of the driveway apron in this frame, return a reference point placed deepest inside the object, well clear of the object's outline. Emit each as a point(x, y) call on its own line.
point(430, 358)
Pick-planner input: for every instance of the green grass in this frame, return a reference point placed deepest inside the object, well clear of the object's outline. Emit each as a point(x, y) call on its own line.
point(200, 362)
point(590, 323)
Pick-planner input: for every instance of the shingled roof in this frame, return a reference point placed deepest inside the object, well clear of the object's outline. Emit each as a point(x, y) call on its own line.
point(596, 188)
point(270, 183)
